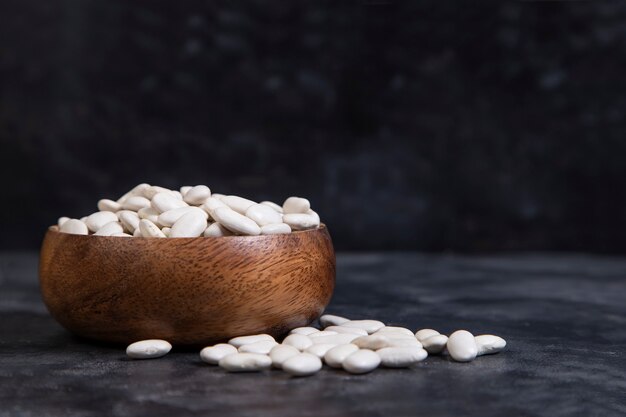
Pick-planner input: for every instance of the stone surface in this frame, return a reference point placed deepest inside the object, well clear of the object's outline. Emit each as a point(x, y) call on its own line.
point(563, 317)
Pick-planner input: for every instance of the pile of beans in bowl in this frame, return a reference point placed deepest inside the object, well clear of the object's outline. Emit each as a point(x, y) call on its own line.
point(193, 211)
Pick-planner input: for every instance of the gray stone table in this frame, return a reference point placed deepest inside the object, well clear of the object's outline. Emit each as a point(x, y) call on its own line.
point(564, 317)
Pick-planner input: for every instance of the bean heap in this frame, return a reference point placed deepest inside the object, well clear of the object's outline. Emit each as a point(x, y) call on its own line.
point(153, 211)
point(357, 346)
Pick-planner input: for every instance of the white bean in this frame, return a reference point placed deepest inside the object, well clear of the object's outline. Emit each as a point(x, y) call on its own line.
point(322, 333)
point(462, 346)
point(303, 364)
point(110, 229)
point(373, 342)
point(335, 339)
point(98, 219)
point(362, 361)
point(238, 204)
point(304, 330)
point(213, 354)
point(370, 326)
point(148, 349)
point(425, 333)
point(299, 341)
point(216, 230)
point(163, 202)
point(149, 229)
point(334, 357)
point(170, 217)
point(263, 215)
point(263, 347)
point(272, 205)
point(135, 203)
point(137, 190)
point(184, 189)
point(62, 220)
point(400, 357)
point(351, 330)
point(246, 340)
point(280, 353)
point(149, 213)
point(153, 190)
point(300, 221)
point(129, 219)
point(488, 344)
point(236, 222)
point(435, 344)
point(332, 320)
point(211, 204)
point(191, 224)
point(245, 362)
point(275, 229)
point(109, 205)
point(296, 205)
point(320, 350)
point(395, 329)
point(166, 231)
point(197, 195)
point(74, 227)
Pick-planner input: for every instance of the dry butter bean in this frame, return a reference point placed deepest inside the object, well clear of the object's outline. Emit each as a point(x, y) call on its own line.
point(401, 357)
point(236, 222)
point(246, 340)
point(335, 356)
point(272, 205)
point(299, 341)
point(370, 326)
point(275, 229)
point(320, 349)
point(129, 219)
point(462, 346)
point(98, 219)
point(75, 227)
point(191, 224)
point(303, 364)
point(425, 333)
point(197, 195)
point(296, 205)
point(163, 202)
point(263, 347)
point(216, 230)
point(331, 320)
point(149, 229)
point(135, 203)
point(351, 330)
point(362, 361)
point(300, 221)
point(435, 344)
point(170, 217)
point(109, 229)
point(213, 354)
point(263, 215)
point(238, 204)
point(245, 362)
point(109, 205)
point(488, 344)
point(280, 353)
point(148, 349)
point(304, 330)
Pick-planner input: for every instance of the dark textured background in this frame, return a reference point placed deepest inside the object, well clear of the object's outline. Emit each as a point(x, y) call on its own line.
point(409, 125)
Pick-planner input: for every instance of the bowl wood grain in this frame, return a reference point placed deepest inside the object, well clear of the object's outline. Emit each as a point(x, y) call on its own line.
point(189, 291)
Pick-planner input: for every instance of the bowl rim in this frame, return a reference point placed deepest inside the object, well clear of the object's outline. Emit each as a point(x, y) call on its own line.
point(55, 229)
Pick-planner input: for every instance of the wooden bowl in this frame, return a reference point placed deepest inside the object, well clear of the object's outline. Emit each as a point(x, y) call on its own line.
point(189, 291)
